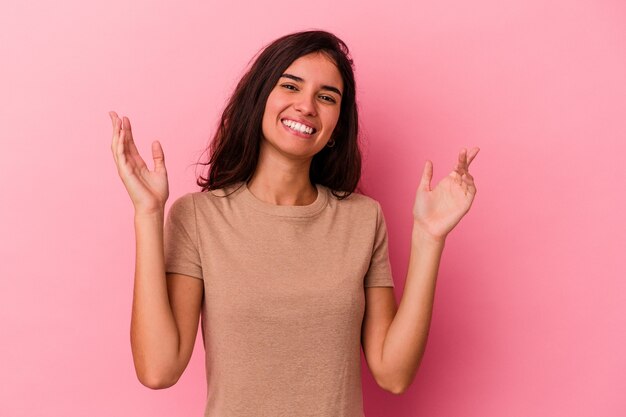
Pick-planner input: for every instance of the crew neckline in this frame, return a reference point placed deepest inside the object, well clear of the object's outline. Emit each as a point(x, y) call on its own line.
point(308, 210)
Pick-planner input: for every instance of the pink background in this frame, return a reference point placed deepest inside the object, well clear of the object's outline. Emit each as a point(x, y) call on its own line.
point(530, 308)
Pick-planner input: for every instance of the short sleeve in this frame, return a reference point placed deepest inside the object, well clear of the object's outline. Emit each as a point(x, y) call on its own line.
point(180, 239)
point(379, 272)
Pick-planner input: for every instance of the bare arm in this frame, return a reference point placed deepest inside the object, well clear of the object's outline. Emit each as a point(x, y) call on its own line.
point(394, 338)
point(405, 340)
point(436, 212)
point(165, 311)
point(380, 310)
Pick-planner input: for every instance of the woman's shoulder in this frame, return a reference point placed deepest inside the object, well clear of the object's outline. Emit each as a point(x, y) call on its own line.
point(355, 201)
point(207, 198)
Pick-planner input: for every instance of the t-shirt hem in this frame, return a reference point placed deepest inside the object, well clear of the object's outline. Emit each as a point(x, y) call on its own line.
point(174, 269)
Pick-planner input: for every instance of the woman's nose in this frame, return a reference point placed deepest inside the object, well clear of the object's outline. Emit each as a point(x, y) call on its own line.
point(305, 104)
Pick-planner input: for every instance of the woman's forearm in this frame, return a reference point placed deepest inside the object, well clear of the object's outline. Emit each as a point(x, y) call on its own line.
point(153, 331)
point(406, 338)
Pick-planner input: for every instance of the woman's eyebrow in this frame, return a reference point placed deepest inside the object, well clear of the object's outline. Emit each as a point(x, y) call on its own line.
point(300, 80)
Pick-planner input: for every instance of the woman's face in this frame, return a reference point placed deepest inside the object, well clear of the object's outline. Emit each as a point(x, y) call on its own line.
point(302, 110)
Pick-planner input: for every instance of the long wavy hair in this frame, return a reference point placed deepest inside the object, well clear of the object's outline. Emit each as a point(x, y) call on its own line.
point(234, 149)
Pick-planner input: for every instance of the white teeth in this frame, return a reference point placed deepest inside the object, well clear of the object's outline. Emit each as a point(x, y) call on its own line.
point(298, 126)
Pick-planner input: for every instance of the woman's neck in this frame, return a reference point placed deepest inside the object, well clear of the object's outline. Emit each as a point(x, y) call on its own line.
point(283, 192)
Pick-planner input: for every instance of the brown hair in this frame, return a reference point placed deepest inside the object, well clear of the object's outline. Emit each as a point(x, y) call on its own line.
point(234, 150)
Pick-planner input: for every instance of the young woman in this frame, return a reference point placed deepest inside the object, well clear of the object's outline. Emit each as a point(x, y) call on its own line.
point(284, 262)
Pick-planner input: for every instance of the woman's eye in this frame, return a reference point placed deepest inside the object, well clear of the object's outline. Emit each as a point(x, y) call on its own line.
point(294, 88)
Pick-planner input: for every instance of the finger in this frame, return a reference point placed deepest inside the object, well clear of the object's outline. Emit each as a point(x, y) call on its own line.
point(121, 157)
point(473, 155)
point(469, 183)
point(116, 125)
point(112, 118)
point(126, 125)
point(464, 184)
point(116, 138)
point(458, 177)
point(117, 131)
point(427, 175)
point(465, 166)
point(460, 164)
point(158, 156)
point(132, 148)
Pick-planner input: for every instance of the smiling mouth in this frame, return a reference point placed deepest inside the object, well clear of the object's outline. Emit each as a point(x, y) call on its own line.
point(298, 127)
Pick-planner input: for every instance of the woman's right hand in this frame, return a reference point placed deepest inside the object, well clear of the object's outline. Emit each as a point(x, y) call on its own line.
point(147, 189)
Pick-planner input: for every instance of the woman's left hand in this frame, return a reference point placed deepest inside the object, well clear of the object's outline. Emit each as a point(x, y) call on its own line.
point(437, 211)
